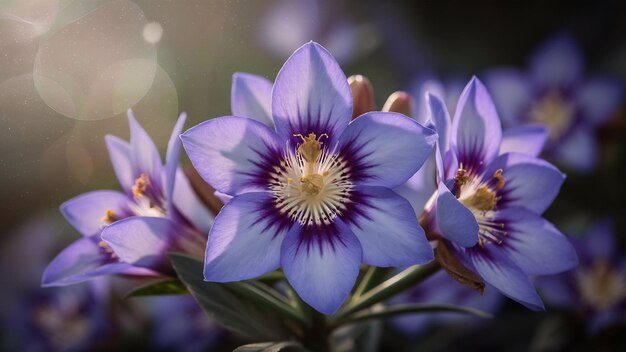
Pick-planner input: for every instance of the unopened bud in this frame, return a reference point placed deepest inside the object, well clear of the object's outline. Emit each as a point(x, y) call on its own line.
point(362, 95)
point(400, 102)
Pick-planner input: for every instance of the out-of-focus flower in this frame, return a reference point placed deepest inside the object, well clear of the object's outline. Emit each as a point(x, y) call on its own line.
point(597, 287)
point(441, 289)
point(554, 93)
point(489, 200)
point(313, 196)
point(179, 324)
point(129, 232)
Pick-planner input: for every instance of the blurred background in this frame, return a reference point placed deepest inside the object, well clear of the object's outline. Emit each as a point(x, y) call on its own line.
point(69, 70)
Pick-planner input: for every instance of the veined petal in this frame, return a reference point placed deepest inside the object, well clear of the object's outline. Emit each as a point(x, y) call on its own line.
point(84, 260)
point(122, 161)
point(311, 95)
point(578, 151)
point(456, 222)
point(321, 263)
point(142, 241)
point(476, 132)
point(387, 229)
point(511, 92)
point(528, 182)
point(534, 244)
point(171, 157)
point(251, 96)
point(527, 139)
point(187, 203)
point(500, 271)
point(87, 212)
point(233, 154)
point(441, 119)
point(557, 63)
point(245, 239)
point(598, 99)
point(385, 148)
point(145, 155)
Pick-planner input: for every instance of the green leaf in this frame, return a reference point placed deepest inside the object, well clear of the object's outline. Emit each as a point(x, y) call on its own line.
point(224, 307)
point(285, 346)
point(402, 309)
point(161, 287)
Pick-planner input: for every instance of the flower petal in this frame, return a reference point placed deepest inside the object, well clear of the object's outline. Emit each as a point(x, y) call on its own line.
point(420, 187)
point(311, 95)
point(86, 211)
point(245, 239)
point(527, 139)
point(142, 241)
point(534, 244)
point(233, 154)
point(529, 182)
point(172, 156)
point(251, 96)
point(578, 151)
point(84, 260)
point(387, 228)
point(498, 270)
point(385, 148)
point(557, 64)
point(440, 118)
point(322, 263)
point(511, 92)
point(456, 222)
point(187, 202)
point(598, 99)
point(145, 155)
point(476, 133)
point(122, 161)
point(599, 243)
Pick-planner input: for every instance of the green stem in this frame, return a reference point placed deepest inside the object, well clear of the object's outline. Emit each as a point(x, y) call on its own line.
point(402, 309)
point(389, 288)
point(373, 276)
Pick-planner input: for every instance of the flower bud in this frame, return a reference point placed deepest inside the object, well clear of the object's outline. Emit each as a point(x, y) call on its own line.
point(400, 102)
point(362, 95)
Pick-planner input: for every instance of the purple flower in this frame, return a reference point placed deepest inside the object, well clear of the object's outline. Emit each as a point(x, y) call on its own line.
point(554, 93)
point(128, 232)
point(489, 199)
point(597, 287)
point(312, 196)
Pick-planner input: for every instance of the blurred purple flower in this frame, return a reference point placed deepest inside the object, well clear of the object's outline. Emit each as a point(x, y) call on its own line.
point(312, 196)
point(489, 200)
point(554, 92)
point(442, 289)
point(129, 232)
point(597, 287)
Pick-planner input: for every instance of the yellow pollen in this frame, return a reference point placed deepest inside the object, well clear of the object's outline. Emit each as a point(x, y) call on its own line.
point(601, 286)
point(312, 184)
point(483, 199)
point(109, 217)
point(554, 112)
point(461, 177)
point(141, 183)
point(499, 179)
point(311, 146)
point(107, 249)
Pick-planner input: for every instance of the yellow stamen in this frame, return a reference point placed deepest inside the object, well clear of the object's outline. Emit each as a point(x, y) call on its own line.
point(141, 183)
point(109, 217)
point(483, 199)
point(311, 146)
point(312, 184)
point(499, 179)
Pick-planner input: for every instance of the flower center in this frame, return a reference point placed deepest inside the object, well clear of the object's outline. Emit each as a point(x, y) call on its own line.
point(312, 184)
point(555, 112)
point(601, 286)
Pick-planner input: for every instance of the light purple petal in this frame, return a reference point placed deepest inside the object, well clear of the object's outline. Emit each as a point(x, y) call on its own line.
point(498, 270)
point(122, 161)
point(145, 155)
point(245, 239)
point(225, 198)
point(322, 264)
point(385, 148)
point(84, 260)
point(527, 139)
point(141, 241)
point(598, 99)
point(578, 151)
point(311, 95)
point(426, 87)
point(528, 182)
point(172, 156)
point(511, 92)
point(420, 187)
point(534, 244)
point(557, 63)
point(557, 290)
point(251, 96)
point(188, 203)
point(86, 211)
point(456, 222)
point(233, 154)
point(476, 133)
point(441, 119)
point(387, 229)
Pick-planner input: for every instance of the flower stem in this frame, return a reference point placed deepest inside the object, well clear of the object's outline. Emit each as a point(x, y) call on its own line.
point(389, 288)
point(373, 276)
